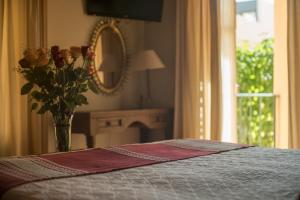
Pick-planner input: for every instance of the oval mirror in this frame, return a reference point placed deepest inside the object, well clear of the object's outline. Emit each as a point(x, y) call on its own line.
point(110, 65)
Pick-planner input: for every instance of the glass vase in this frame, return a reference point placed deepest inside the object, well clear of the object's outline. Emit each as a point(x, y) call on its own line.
point(62, 131)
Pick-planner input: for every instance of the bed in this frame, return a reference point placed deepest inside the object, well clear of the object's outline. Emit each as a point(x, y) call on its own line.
point(173, 169)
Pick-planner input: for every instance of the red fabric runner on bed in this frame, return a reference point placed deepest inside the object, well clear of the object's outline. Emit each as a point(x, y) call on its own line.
point(19, 170)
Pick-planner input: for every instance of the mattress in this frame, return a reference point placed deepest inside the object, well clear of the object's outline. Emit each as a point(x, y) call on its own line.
point(242, 173)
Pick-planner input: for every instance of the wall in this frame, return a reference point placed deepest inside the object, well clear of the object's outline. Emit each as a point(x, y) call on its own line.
point(161, 38)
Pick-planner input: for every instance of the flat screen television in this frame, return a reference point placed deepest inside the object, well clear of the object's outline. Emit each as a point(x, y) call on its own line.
point(148, 10)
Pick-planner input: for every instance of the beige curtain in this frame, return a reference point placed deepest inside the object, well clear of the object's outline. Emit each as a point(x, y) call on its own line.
point(293, 51)
point(281, 75)
point(18, 131)
point(13, 121)
point(37, 38)
point(197, 82)
point(228, 68)
point(287, 73)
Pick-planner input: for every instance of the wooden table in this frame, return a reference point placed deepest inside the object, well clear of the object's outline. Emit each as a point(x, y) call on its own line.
point(92, 123)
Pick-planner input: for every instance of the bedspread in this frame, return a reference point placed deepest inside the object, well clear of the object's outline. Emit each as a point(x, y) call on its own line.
point(250, 173)
point(20, 170)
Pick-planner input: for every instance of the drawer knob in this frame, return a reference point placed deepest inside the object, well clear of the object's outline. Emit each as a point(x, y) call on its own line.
point(108, 123)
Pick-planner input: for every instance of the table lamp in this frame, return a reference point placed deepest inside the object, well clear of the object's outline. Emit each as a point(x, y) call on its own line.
point(144, 61)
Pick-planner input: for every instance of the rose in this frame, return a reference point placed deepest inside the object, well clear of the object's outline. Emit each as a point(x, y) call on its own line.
point(75, 52)
point(42, 52)
point(42, 57)
point(59, 62)
point(84, 50)
point(57, 57)
point(42, 61)
point(24, 63)
point(31, 56)
point(54, 50)
point(67, 56)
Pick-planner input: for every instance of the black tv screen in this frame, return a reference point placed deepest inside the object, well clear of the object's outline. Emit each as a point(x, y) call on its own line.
point(148, 10)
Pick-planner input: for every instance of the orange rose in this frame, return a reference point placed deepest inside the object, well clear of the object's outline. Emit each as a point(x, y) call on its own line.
point(67, 56)
point(31, 56)
point(42, 57)
point(75, 52)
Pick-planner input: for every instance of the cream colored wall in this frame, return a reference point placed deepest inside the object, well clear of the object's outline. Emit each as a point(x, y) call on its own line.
point(161, 38)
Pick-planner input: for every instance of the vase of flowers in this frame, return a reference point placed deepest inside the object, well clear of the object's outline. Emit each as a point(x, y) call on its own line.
point(56, 82)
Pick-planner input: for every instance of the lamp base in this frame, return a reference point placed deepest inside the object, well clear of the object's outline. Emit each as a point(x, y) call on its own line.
point(145, 102)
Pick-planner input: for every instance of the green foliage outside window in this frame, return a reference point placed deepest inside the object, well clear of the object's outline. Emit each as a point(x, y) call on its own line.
point(255, 115)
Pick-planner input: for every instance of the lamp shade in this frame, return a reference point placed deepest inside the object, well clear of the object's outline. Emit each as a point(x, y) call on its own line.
point(146, 60)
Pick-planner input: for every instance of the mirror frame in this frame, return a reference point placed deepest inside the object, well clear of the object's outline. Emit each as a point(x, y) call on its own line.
point(99, 28)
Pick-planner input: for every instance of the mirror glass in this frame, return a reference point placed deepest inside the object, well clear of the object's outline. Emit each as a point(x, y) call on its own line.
point(108, 59)
point(109, 68)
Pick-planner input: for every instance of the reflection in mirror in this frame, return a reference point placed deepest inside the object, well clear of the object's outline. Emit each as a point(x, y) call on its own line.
point(108, 60)
point(110, 67)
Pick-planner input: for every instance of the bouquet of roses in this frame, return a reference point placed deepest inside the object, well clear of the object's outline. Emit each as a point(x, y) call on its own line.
point(54, 82)
point(57, 84)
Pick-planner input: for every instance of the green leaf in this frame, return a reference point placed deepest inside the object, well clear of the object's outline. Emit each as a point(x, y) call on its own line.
point(255, 75)
point(93, 87)
point(26, 88)
point(34, 106)
point(71, 105)
point(43, 109)
point(83, 88)
point(80, 99)
point(37, 95)
point(71, 75)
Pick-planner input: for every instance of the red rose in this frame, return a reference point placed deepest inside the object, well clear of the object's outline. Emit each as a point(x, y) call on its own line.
point(57, 56)
point(84, 50)
point(54, 50)
point(58, 59)
point(59, 62)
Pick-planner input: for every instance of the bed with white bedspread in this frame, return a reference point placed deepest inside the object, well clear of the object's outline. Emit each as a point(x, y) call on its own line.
point(234, 173)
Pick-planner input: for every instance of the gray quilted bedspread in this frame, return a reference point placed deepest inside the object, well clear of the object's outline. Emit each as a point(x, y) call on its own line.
point(252, 173)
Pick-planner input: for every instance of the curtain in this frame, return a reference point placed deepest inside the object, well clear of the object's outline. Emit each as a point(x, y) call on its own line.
point(281, 75)
point(18, 130)
point(37, 38)
point(293, 51)
point(197, 79)
point(13, 121)
point(286, 73)
point(228, 68)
